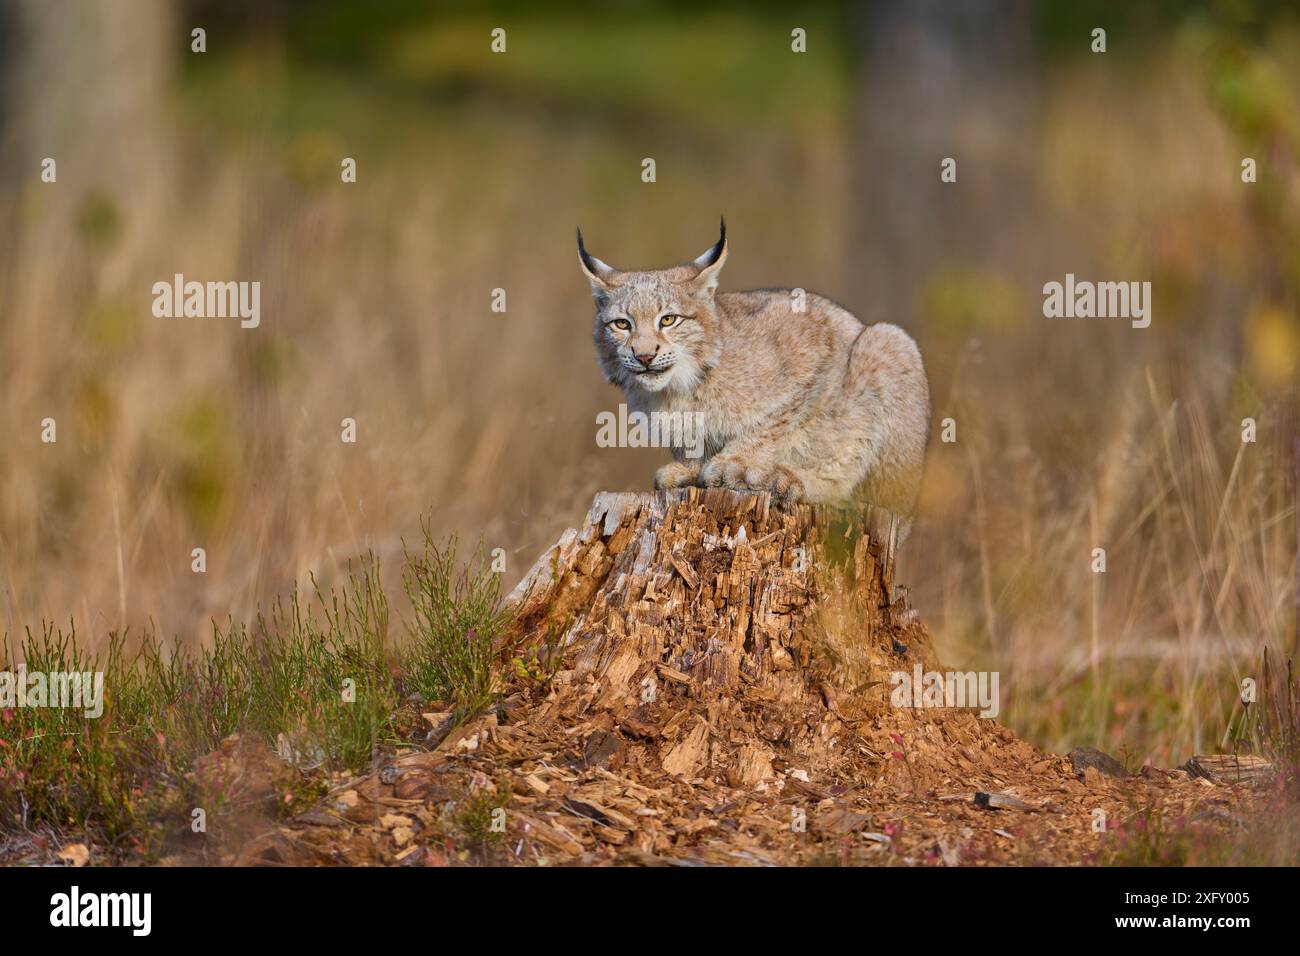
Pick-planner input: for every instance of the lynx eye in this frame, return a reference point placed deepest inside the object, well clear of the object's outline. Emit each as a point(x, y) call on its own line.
point(621, 324)
point(669, 320)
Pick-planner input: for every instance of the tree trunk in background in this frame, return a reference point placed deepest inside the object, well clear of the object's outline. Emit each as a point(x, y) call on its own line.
point(941, 78)
point(87, 84)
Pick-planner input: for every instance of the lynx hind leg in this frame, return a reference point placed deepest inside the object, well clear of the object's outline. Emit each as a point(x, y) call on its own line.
point(676, 474)
point(885, 368)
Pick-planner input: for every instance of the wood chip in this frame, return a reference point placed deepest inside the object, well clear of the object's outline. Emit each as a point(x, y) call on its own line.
point(1231, 768)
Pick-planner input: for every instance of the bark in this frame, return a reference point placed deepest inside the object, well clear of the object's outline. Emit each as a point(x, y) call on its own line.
point(718, 592)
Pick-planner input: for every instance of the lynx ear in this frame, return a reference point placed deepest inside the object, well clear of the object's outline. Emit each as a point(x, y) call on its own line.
point(599, 274)
point(710, 264)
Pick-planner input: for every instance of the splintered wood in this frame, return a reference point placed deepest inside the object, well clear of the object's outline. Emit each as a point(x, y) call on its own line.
point(1232, 768)
point(719, 692)
point(711, 584)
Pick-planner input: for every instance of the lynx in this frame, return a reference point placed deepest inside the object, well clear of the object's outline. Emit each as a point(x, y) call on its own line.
point(799, 398)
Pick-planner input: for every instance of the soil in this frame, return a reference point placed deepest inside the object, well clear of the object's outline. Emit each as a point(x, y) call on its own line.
point(705, 679)
point(723, 697)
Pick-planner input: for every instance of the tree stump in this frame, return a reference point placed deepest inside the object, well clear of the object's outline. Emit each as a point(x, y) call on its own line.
point(719, 594)
point(702, 678)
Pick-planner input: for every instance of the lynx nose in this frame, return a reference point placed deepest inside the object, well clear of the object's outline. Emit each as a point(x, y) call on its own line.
point(645, 358)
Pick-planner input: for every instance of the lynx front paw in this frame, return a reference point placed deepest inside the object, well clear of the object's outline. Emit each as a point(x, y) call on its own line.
point(676, 474)
point(726, 472)
point(785, 488)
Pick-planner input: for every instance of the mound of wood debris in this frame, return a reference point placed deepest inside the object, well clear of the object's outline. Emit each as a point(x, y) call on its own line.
point(708, 680)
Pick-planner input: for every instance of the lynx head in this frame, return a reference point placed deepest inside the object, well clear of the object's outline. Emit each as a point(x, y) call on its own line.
point(657, 330)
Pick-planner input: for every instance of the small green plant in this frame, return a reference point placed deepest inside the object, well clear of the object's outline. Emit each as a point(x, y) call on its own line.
point(475, 819)
point(541, 663)
point(458, 624)
point(313, 680)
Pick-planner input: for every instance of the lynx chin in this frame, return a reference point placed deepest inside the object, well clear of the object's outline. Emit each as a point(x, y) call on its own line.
point(805, 403)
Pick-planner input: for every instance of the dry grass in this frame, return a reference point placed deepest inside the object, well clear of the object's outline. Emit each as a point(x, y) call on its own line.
point(175, 434)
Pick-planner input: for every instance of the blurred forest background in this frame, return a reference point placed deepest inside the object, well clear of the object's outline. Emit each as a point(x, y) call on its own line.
point(474, 168)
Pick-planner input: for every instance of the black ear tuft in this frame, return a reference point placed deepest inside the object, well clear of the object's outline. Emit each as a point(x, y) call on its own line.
point(601, 274)
point(590, 264)
point(716, 250)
